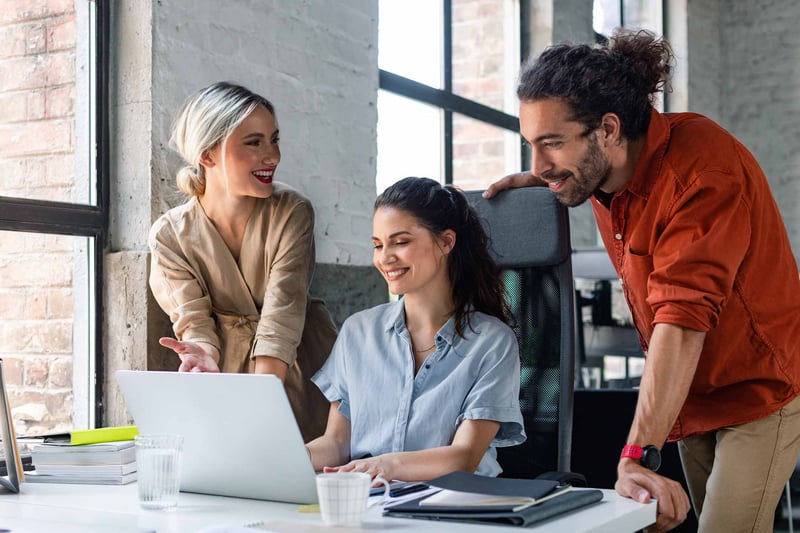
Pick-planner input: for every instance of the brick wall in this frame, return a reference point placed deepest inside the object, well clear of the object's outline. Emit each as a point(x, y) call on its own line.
point(483, 33)
point(37, 160)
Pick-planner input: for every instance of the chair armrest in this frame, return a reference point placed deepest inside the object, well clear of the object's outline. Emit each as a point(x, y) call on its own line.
point(571, 478)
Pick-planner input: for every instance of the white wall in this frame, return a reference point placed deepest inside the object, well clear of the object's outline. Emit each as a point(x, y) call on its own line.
point(760, 93)
point(315, 60)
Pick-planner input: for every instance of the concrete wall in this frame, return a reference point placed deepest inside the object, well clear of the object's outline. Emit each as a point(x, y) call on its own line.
point(317, 62)
point(743, 72)
point(760, 82)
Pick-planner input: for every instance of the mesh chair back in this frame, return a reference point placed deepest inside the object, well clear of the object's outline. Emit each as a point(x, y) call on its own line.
point(529, 238)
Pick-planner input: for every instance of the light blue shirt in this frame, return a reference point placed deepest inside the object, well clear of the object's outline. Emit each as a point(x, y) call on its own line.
point(371, 373)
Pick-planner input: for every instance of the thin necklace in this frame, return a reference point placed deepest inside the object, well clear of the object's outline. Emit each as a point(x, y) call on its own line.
point(429, 348)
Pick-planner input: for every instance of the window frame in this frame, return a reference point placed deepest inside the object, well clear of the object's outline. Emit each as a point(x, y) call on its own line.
point(63, 218)
point(450, 102)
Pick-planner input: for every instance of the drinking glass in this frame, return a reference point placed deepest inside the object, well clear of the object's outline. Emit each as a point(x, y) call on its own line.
point(158, 463)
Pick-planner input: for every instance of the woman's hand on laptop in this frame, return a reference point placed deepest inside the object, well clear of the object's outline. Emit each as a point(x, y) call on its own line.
point(381, 465)
point(195, 356)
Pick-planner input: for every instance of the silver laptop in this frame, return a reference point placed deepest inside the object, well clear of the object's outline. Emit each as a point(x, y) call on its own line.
point(240, 435)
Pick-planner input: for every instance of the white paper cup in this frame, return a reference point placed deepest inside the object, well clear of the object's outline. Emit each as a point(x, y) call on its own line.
point(158, 465)
point(343, 496)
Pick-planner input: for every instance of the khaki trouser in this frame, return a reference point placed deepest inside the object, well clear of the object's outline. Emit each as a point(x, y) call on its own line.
point(736, 474)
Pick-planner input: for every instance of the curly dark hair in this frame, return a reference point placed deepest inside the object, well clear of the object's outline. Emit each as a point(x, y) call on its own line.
point(475, 277)
point(621, 77)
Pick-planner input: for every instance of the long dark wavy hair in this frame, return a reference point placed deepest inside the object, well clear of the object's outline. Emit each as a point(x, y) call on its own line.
point(621, 77)
point(475, 277)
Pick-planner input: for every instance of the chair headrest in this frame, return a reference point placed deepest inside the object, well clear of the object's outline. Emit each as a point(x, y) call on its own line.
point(526, 227)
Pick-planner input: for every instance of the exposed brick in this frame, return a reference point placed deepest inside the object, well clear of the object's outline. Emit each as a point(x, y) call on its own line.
point(61, 34)
point(27, 38)
point(19, 398)
point(11, 241)
point(54, 194)
point(36, 305)
point(60, 67)
point(465, 10)
point(30, 271)
point(61, 373)
point(13, 371)
point(37, 71)
point(19, 73)
point(37, 372)
point(26, 10)
point(493, 148)
point(60, 303)
point(59, 243)
point(59, 169)
point(57, 339)
point(36, 337)
point(39, 137)
point(60, 102)
point(12, 303)
point(59, 406)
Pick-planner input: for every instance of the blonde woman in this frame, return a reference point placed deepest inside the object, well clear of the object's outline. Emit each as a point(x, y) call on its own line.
point(232, 266)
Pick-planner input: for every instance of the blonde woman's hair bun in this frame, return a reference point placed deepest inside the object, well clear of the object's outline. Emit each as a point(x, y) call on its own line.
point(190, 181)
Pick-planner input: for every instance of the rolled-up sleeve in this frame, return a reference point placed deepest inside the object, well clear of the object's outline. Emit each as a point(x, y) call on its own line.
point(332, 379)
point(705, 239)
point(495, 393)
point(178, 288)
point(284, 310)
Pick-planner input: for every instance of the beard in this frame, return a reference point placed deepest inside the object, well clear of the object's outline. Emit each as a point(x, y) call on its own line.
point(590, 173)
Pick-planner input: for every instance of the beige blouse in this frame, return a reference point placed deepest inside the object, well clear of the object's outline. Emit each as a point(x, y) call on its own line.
point(256, 306)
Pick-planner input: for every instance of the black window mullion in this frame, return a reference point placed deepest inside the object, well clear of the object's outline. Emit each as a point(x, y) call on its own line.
point(415, 90)
point(102, 166)
point(22, 214)
point(447, 60)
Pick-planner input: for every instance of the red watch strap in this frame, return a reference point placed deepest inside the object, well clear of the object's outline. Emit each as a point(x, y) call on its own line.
point(632, 451)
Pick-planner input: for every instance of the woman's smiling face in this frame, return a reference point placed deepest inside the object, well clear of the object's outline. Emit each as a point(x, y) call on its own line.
point(252, 154)
point(407, 254)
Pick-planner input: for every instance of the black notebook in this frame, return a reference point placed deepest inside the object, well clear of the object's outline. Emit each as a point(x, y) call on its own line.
point(545, 499)
point(25, 459)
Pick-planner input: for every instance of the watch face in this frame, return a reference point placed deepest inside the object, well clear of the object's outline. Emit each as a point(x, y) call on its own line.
point(651, 458)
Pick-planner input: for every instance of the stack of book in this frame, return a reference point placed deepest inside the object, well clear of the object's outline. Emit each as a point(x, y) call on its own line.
point(62, 460)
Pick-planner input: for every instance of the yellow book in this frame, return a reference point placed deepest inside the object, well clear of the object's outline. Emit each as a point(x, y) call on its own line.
point(91, 436)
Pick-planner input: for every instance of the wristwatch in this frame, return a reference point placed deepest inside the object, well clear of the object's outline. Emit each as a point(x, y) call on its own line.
point(649, 456)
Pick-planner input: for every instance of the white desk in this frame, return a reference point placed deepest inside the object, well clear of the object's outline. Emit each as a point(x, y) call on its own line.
point(104, 509)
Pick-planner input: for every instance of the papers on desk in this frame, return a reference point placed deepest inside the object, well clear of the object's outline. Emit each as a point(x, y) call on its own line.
point(107, 479)
point(501, 500)
point(111, 463)
point(458, 500)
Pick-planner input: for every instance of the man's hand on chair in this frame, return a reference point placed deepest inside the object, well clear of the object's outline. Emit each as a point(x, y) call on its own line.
point(513, 181)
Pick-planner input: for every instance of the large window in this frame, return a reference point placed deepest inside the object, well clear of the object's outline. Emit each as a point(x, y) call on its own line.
point(53, 209)
point(447, 105)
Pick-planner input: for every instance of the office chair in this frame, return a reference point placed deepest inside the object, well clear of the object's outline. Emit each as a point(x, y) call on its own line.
point(529, 238)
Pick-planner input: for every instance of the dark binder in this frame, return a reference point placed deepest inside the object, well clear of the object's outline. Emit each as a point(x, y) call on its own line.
point(513, 514)
point(25, 459)
point(564, 503)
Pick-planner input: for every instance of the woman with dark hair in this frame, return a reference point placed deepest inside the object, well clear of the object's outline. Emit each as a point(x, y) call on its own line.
point(429, 384)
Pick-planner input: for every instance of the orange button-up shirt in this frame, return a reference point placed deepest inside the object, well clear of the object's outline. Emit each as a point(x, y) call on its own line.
point(697, 240)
